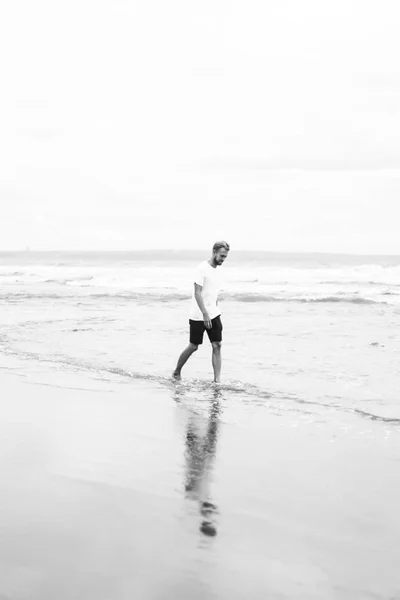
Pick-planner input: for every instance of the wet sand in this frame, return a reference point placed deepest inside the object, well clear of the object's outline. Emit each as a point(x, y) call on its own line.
point(138, 490)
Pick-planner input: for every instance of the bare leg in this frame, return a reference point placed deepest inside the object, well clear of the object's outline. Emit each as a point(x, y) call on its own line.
point(186, 354)
point(216, 361)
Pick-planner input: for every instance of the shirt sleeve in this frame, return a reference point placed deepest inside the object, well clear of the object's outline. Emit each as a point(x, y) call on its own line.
point(199, 275)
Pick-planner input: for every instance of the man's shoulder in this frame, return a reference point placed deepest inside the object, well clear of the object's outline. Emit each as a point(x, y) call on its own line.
point(202, 266)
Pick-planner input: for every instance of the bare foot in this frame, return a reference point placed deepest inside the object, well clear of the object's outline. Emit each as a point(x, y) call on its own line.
point(176, 375)
point(208, 529)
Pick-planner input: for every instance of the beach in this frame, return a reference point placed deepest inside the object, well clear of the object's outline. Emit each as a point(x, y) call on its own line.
point(103, 489)
point(119, 482)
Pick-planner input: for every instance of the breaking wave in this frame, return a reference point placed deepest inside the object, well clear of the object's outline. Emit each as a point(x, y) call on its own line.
point(303, 299)
point(150, 296)
point(249, 282)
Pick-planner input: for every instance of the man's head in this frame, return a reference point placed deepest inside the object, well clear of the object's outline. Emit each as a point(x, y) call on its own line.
point(220, 252)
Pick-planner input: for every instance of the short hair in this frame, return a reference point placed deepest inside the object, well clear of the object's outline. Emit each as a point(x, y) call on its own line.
point(218, 245)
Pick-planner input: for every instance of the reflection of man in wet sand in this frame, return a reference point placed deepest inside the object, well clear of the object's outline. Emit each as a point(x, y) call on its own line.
point(204, 313)
point(200, 455)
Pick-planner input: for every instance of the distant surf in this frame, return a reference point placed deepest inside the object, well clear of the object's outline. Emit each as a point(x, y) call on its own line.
point(166, 277)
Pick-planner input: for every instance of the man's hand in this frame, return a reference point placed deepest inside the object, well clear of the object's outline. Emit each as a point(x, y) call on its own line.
point(207, 320)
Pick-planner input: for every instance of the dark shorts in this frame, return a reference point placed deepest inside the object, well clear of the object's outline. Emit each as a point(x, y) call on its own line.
point(197, 329)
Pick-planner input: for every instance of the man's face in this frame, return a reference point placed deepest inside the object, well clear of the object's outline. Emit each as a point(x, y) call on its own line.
point(220, 256)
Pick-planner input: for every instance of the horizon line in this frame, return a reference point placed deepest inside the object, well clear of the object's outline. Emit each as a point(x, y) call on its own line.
point(201, 250)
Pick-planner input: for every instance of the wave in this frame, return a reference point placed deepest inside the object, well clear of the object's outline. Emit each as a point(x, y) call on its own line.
point(271, 298)
point(15, 296)
point(11, 273)
point(373, 417)
point(144, 296)
point(124, 275)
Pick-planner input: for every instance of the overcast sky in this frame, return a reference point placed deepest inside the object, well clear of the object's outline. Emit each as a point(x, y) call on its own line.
point(170, 123)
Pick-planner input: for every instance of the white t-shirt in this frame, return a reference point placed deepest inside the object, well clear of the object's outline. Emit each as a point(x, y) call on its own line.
point(209, 278)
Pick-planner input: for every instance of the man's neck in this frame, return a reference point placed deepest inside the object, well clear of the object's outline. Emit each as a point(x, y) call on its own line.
point(212, 263)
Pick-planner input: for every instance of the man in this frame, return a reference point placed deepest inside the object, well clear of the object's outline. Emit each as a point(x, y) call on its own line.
point(204, 312)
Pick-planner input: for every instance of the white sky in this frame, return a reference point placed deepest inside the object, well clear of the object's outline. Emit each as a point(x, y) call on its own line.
point(272, 123)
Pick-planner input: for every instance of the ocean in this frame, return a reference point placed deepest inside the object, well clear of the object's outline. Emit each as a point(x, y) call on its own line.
point(300, 330)
point(119, 482)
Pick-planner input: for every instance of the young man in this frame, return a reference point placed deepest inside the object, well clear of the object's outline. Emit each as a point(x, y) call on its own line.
point(204, 312)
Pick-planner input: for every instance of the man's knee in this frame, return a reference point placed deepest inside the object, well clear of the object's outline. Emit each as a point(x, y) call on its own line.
point(216, 346)
point(193, 347)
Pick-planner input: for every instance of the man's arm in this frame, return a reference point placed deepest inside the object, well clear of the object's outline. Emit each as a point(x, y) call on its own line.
point(199, 299)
